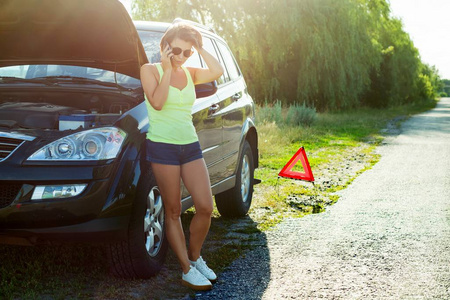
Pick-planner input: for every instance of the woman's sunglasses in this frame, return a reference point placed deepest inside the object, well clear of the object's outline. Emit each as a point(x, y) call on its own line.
point(177, 51)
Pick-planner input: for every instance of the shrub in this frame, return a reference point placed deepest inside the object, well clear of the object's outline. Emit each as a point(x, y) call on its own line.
point(301, 115)
point(270, 114)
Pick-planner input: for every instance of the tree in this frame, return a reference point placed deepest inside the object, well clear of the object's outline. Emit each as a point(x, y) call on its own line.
point(326, 54)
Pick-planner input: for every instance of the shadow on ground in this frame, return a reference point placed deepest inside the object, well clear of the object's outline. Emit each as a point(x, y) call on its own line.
point(239, 280)
point(81, 271)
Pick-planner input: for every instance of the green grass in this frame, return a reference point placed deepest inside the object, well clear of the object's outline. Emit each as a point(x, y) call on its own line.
point(53, 270)
point(333, 140)
point(331, 143)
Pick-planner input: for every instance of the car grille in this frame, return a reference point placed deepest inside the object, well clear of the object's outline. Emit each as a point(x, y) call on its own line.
point(8, 193)
point(8, 145)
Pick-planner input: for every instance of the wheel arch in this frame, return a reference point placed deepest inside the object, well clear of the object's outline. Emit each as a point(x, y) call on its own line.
point(251, 136)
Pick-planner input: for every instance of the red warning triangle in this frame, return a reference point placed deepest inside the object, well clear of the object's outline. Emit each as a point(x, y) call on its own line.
point(287, 169)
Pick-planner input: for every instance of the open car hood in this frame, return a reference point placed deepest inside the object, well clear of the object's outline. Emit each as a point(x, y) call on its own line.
point(89, 33)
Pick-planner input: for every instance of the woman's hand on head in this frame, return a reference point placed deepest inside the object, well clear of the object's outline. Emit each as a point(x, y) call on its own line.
point(166, 57)
point(198, 42)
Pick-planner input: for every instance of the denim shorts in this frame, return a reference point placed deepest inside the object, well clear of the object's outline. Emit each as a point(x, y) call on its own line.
point(171, 154)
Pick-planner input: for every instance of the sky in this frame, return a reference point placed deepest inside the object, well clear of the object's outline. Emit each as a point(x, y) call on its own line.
point(127, 4)
point(428, 24)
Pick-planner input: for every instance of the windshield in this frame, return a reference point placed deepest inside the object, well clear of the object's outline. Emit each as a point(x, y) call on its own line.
point(151, 39)
point(40, 71)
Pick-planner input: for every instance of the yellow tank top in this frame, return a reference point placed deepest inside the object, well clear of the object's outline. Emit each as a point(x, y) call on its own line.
point(173, 123)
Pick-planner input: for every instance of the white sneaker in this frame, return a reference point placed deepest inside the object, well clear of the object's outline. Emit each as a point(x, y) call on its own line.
point(201, 266)
point(195, 280)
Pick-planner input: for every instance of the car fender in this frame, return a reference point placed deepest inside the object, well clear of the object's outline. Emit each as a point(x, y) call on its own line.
point(249, 133)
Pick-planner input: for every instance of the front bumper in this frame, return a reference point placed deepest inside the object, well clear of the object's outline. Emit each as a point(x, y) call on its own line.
point(26, 213)
point(105, 230)
point(101, 213)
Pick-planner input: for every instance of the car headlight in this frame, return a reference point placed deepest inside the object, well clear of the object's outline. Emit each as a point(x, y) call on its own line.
point(93, 144)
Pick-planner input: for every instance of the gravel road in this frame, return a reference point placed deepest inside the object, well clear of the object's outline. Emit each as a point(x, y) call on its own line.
point(388, 237)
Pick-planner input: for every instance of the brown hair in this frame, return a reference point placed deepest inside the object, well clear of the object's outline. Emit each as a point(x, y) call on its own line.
point(182, 31)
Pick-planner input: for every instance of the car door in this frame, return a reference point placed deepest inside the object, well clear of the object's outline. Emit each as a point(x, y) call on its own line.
point(234, 112)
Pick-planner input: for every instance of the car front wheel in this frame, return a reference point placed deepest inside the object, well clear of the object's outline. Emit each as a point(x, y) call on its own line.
point(236, 201)
point(143, 253)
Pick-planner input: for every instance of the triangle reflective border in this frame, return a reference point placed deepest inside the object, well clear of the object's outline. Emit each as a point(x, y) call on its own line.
point(287, 169)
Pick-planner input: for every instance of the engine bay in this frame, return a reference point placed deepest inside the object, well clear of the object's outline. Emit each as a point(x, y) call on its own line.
point(61, 111)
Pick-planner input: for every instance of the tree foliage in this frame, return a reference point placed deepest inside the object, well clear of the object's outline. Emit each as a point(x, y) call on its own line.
point(326, 54)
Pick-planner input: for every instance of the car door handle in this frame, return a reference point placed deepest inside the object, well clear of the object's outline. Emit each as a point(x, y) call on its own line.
point(214, 108)
point(236, 96)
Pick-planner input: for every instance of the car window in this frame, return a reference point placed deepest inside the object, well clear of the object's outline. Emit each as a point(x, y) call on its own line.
point(193, 61)
point(208, 46)
point(151, 40)
point(14, 71)
point(230, 63)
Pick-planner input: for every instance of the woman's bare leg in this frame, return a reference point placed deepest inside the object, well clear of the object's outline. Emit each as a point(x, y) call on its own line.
point(196, 179)
point(168, 179)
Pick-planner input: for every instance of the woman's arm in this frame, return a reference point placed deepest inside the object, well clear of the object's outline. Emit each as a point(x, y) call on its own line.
point(155, 90)
point(214, 70)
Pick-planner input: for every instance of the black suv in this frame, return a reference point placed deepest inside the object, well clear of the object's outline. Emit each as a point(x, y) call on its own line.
point(73, 124)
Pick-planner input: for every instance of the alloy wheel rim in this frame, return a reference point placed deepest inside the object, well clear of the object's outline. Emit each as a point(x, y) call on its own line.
point(245, 178)
point(154, 222)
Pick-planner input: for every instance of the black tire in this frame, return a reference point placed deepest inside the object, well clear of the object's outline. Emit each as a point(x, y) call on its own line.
point(236, 202)
point(143, 253)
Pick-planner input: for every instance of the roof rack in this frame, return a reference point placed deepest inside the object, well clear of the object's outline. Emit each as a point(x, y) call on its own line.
point(178, 20)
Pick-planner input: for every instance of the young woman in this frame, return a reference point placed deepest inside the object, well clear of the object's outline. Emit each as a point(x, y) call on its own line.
point(173, 148)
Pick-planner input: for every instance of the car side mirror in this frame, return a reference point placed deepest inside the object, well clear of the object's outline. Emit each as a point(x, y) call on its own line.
point(206, 89)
